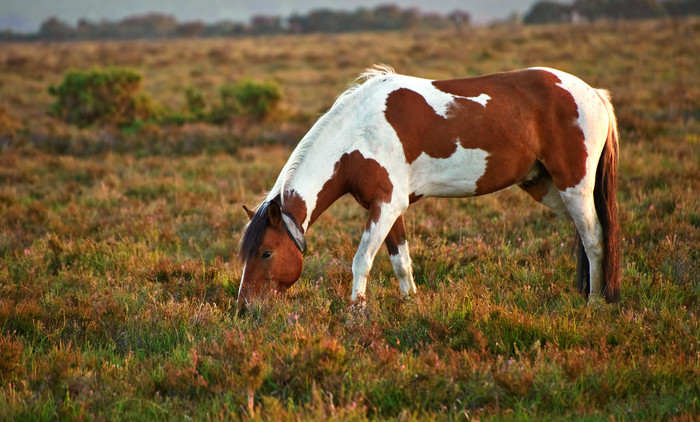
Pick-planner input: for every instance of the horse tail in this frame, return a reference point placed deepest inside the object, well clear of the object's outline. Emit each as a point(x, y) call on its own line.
point(605, 198)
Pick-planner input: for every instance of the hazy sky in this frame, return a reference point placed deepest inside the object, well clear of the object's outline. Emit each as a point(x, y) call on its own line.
point(27, 15)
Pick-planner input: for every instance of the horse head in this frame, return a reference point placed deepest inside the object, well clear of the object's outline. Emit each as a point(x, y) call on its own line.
point(271, 249)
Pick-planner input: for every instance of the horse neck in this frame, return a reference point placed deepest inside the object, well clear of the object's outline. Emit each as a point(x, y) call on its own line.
point(312, 179)
point(307, 194)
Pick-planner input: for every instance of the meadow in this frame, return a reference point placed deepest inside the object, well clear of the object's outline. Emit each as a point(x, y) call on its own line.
point(118, 268)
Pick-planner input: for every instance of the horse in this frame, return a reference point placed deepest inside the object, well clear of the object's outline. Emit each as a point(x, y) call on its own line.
point(391, 139)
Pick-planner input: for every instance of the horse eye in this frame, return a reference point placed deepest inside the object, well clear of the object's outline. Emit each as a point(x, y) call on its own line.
point(266, 254)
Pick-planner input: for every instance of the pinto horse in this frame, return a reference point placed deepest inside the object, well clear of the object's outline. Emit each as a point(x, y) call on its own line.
point(395, 139)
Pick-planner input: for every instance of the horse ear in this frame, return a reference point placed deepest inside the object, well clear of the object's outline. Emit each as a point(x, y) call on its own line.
point(249, 212)
point(275, 214)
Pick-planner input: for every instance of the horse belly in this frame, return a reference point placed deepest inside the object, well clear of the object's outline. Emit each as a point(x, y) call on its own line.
point(454, 176)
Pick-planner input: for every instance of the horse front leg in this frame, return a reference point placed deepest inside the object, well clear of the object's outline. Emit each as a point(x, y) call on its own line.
point(382, 218)
point(397, 246)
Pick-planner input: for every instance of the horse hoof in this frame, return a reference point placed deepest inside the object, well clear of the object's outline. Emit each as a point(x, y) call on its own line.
point(359, 305)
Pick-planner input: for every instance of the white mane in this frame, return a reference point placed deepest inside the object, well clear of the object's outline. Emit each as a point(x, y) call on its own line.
point(376, 71)
point(341, 103)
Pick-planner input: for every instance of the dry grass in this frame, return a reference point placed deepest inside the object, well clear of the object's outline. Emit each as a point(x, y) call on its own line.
point(118, 282)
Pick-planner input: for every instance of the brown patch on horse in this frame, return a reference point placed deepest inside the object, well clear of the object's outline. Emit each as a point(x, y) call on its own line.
point(364, 178)
point(295, 206)
point(396, 236)
point(527, 118)
point(413, 197)
point(418, 127)
point(537, 182)
point(538, 189)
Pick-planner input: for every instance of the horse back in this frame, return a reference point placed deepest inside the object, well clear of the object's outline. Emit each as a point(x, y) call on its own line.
point(474, 136)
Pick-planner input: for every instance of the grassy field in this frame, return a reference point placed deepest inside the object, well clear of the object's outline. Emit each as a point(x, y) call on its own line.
point(118, 273)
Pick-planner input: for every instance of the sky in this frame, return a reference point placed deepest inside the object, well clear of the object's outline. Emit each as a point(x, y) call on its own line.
point(27, 15)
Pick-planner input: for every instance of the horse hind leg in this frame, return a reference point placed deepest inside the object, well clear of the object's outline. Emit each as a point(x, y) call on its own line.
point(397, 246)
point(539, 184)
point(581, 207)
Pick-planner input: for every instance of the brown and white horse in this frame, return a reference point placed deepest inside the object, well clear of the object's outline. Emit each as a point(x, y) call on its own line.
point(395, 139)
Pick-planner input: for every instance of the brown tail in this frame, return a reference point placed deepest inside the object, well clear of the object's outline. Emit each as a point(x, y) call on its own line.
point(605, 198)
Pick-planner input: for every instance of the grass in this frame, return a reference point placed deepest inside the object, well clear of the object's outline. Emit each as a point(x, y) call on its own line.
point(118, 274)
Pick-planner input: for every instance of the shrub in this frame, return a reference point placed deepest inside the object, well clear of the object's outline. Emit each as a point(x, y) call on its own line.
point(196, 106)
point(101, 96)
point(246, 98)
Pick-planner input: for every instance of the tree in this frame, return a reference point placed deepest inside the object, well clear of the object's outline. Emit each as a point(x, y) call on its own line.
point(682, 7)
point(388, 17)
point(266, 25)
point(548, 12)
point(191, 29)
point(152, 25)
point(633, 9)
point(460, 19)
point(55, 29)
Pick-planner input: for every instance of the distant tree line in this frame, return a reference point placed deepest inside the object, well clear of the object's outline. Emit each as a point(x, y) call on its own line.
point(592, 10)
point(156, 25)
point(385, 17)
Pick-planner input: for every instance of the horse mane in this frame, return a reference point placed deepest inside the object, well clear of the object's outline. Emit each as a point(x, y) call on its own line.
point(375, 71)
point(308, 141)
point(254, 231)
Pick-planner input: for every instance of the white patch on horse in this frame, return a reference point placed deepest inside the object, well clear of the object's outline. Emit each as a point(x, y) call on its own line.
point(455, 176)
point(481, 99)
point(403, 270)
point(552, 199)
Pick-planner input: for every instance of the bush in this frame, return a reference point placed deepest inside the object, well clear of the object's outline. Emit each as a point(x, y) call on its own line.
point(110, 97)
point(101, 97)
point(196, 106)
point(246, 98)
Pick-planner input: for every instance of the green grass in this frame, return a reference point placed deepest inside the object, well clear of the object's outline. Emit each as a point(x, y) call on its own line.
point(118, 274)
